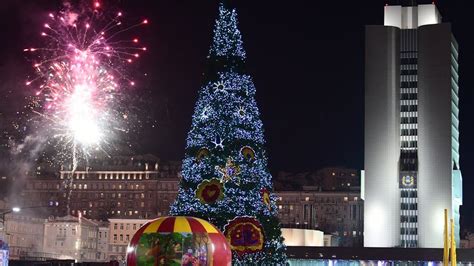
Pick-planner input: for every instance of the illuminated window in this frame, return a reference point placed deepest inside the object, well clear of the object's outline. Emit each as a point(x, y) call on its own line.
point(280, 207)
point(346, 198)
point(85, 186)
point(306, 199)
point(356, 198)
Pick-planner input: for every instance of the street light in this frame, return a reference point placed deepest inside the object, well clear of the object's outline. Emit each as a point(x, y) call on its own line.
point(16, 209)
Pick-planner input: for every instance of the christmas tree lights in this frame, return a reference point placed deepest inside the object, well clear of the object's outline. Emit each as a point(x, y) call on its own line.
point(225, 174)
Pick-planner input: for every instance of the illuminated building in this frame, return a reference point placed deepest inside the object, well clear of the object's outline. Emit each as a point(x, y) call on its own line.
point(412, 170)
point(119, 187)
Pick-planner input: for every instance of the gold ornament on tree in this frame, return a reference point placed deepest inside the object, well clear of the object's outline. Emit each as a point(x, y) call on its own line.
point(248, 153)
point(230, 171)
point(202, 153)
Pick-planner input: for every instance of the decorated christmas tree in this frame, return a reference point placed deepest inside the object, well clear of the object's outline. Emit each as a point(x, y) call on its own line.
point(225, 175)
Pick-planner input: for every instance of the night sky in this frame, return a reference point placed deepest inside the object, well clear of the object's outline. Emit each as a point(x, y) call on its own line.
point(306, 59)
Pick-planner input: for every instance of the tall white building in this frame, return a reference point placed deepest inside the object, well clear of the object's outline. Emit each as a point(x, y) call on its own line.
point(412, 170)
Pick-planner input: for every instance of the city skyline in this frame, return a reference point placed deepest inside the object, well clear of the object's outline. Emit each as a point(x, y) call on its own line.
point(316, 124)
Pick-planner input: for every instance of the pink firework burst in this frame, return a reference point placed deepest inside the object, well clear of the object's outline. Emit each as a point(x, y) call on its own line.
point(80, 74)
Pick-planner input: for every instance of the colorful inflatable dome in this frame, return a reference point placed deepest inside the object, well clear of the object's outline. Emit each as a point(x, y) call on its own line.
point(178, 241)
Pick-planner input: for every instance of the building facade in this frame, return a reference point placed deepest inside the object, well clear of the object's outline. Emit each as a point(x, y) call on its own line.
point(24, 234)
point(412, 170)
point(120, 233)
point(103, 242)
point(337, 213)
point(120, 187)
point(71, 237)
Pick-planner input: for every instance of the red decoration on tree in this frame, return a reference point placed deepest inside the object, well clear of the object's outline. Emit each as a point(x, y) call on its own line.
point(245, 235)
point(210, 191)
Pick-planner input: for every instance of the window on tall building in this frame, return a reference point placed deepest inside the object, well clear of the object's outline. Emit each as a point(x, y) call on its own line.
point(115, 236)
point(121, 237)
point(115, 226)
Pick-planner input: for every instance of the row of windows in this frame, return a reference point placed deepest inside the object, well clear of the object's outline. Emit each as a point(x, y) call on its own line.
point(107, 186)
point(111, 195)
point(409, 132)
point(409, 61)
point(127, 237)
point(89, 212)
point(409, 194)
point(409, 144)
point(320, 199)
point(409, 96)
point(409, 72)
point(408, 219)
point(127, 226)
point(409, 120)
point(409, 84)
point(112, 176)
point(408, 231)
point(111, 204)
point(409, 206)
point(409, 243)
point(409, 108)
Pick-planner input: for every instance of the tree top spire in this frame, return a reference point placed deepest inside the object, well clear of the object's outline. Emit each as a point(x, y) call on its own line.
point(227, 40)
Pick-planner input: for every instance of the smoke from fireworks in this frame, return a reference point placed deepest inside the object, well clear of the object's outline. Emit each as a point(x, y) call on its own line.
point(80, 79)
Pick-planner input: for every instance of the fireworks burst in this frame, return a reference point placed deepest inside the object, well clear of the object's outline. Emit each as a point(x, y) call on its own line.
point(80, 75)
point(80, 78)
